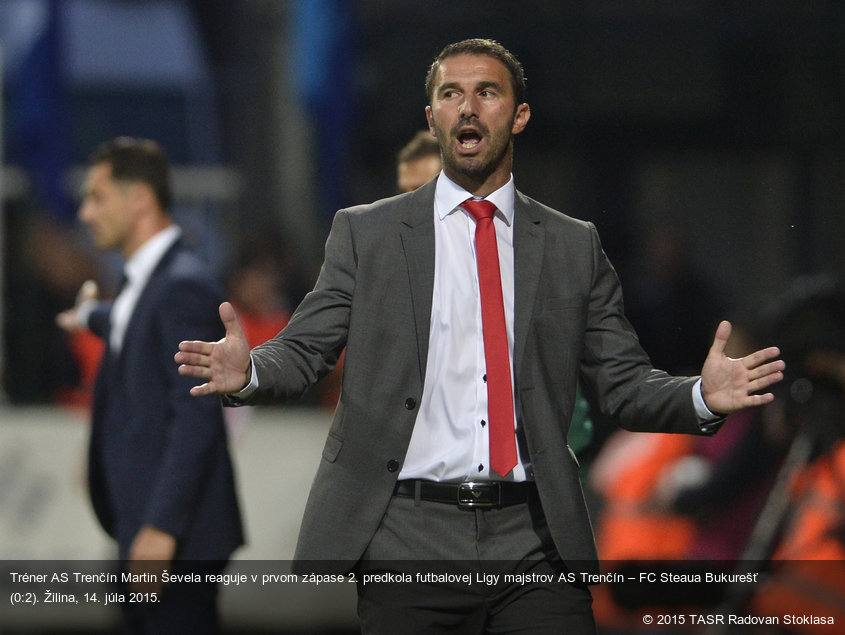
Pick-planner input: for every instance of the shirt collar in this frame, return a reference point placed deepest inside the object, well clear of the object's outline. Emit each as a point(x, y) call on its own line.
point(448, 196)
point(140, 266)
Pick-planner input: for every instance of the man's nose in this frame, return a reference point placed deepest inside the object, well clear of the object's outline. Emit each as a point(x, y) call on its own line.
point(469, 106)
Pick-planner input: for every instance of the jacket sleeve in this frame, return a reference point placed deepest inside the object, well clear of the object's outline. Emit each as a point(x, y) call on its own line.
point(98, 320)
point(626, 385)
point(308, 348)
point(195, 434)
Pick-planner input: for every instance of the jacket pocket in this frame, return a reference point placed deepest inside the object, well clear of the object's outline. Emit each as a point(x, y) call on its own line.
point(332, 447)
point(562, 303)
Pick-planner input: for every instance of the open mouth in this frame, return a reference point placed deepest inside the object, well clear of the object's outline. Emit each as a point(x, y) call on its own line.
point(469, 139)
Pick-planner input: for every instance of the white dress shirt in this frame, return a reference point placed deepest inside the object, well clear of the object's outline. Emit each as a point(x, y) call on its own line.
point(138, 270)
point(450, 438)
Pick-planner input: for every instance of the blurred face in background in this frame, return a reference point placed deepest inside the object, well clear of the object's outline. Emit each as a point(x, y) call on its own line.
point(107, 208)
point(412, 174)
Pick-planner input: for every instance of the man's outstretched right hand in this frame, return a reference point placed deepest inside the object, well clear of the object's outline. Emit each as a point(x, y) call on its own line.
point(225, 364)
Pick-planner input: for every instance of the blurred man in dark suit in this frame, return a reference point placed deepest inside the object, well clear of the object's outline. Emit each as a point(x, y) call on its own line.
point(160, 476)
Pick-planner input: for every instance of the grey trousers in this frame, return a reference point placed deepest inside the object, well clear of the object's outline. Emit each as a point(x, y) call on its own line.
point(434, 568)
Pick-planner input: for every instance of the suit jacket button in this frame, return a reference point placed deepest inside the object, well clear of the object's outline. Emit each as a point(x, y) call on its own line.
point(392, 465)
point(410, 403)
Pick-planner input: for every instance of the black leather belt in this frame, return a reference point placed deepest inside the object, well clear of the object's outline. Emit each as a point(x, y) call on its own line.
point(485, 494)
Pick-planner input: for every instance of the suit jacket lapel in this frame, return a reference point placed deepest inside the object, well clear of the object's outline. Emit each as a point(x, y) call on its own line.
point(528, 242)
point(149, 288)
point(417, 233)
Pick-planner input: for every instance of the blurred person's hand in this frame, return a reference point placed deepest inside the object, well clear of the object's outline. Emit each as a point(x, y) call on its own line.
point(150, 554)
point(71, 320)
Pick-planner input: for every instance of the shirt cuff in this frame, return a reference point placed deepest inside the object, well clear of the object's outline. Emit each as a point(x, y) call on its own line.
point(707, 419)
point(252, 385)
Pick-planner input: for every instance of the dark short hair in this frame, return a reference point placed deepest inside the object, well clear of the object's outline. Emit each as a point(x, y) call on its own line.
point(137, 161)
point(479, 46)
point(420, 146)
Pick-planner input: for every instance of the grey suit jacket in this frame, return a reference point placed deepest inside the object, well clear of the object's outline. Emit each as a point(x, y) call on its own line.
point(374, 296)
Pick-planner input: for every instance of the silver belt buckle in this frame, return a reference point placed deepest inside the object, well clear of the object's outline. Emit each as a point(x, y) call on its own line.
point(473, 495)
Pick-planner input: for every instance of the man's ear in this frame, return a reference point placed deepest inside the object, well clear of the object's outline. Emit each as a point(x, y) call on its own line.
point(141, 196)
point(520, 119)
point(430, 118)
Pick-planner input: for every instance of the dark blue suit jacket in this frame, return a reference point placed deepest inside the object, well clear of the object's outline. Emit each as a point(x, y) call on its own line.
point(159, 456)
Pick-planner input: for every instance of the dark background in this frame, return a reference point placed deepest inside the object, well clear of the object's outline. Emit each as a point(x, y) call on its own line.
point(713, 128)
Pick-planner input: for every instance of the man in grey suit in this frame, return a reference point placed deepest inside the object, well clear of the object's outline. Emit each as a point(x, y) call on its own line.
point(406, 473)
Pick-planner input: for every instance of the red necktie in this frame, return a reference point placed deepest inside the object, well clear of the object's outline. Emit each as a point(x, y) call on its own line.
point(499, 391)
